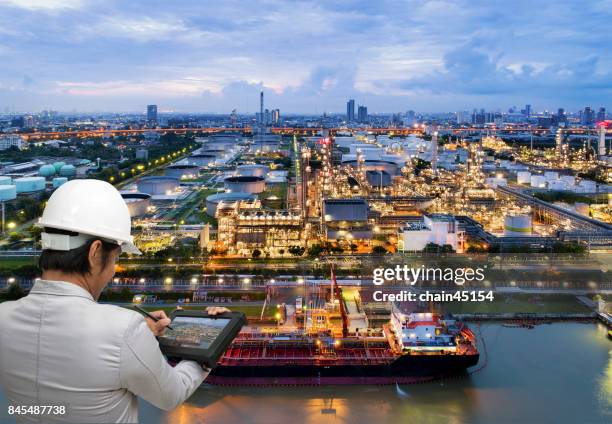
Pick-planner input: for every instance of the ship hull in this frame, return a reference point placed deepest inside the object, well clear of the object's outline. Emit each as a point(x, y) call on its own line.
point(404, 370)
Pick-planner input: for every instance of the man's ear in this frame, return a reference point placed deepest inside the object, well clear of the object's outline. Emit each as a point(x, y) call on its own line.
point(94, 255)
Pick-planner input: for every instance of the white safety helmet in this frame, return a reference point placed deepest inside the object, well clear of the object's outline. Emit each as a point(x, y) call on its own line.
point(91, 208)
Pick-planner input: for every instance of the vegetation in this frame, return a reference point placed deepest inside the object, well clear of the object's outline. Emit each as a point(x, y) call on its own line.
point(562, 196)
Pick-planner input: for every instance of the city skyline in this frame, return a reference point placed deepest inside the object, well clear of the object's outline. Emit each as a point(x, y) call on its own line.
point(309, 57)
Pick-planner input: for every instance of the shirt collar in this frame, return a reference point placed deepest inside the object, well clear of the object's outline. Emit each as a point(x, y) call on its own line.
point(59, 288)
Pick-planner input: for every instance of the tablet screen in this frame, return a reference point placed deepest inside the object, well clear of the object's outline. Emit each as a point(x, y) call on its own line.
point(194, 331)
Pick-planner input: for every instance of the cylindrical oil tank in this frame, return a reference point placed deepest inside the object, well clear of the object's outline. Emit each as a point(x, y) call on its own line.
point(213, 200)
point(4, 180)
point(494, 182)
point(523, 177)
point(378, 178)
point(137, 203)
point(557, 185)
point(588, 186)
point(58, 181)
point(67, 171)
point(375, 165)
point(245, 184)
point(7, 192)
point(582, 208)
point(156, 186)
point(570, 180)
point(538, 181)
point(182, 172)
point(252, 170)
point(58, 166)
point(29, 184)
point(201, 159)
point(517, 225)
point(46, 171)
point(551, 175)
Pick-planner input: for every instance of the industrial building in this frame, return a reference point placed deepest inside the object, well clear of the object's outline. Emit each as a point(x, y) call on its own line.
point(213, 201)
point(346, 219)
point(245, 226)
point(436, 228)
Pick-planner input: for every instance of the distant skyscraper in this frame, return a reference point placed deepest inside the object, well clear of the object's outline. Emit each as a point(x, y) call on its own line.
point(275, 116)
point(152, 114)
point(601, 114)
point(527, 111)
point(588, 116)
point(410, 117)
point(362, 114)
point(350, 111)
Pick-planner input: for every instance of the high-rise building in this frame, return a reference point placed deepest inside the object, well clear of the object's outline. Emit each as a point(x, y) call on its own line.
point(350, 111)
point(528, 110)
point(410, 118)
point(587, 116)
point(152, 114)
point(362, 114)
point(601, 114)
point(275, 116)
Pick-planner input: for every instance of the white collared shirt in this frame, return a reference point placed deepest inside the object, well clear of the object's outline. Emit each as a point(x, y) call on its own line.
point(58, 346)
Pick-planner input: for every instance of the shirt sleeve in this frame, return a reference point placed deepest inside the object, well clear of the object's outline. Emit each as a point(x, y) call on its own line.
point(145, 372)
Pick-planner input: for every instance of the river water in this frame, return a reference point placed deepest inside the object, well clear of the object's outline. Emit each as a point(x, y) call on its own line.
point(556, 373)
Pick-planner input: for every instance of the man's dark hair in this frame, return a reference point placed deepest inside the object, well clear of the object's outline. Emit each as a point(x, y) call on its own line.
point(75, 261)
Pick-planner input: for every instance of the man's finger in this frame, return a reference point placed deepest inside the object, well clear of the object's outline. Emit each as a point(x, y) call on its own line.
point(159, 314)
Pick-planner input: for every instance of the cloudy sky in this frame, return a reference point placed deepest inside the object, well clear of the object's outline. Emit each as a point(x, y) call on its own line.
point(309, 57)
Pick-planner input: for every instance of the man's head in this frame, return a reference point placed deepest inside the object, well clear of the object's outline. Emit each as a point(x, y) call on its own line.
point(92, 264)
point(86, 225)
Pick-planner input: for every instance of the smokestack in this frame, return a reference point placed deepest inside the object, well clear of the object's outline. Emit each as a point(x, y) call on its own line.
point(601, 146)
point(261, 115)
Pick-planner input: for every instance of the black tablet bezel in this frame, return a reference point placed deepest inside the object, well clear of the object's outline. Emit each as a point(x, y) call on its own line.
point(213, 353)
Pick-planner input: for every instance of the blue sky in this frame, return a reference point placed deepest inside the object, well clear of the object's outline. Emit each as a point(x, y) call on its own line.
point(310, 57)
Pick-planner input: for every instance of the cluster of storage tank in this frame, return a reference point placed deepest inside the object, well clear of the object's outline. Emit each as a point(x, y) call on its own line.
point(58, 168)
point(553, 181)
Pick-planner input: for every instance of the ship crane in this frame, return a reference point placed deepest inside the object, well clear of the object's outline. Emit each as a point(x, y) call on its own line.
point(337, 292)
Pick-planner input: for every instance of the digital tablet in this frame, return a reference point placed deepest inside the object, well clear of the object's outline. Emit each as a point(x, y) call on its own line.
point(199, 336)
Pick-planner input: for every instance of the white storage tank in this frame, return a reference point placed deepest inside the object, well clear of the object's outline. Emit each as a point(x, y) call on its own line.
point(570, 180)
point(523, 177)
point(137, 203)
point(58, 181)
point(7, 192)
point(588, 186)
point(182, 171)
point(30, 184)
point(58, 166)
point(551, 175)
point(245, 184)
point(156, 186)
point(557, 185)
point(494, 182)
point(4, 180)
point(252, 170)
point(517, 225)
point(201, 159)
point(582, 208)
point(538, 181)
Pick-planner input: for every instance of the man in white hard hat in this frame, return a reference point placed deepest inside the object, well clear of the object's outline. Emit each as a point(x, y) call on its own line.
point(59, 347)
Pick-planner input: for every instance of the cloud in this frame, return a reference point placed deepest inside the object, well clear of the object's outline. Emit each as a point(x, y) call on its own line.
point(43, 5)
point(309, 56)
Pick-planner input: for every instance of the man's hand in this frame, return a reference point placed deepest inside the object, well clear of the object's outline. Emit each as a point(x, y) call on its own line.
point(158, 328)
point(215, 310)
